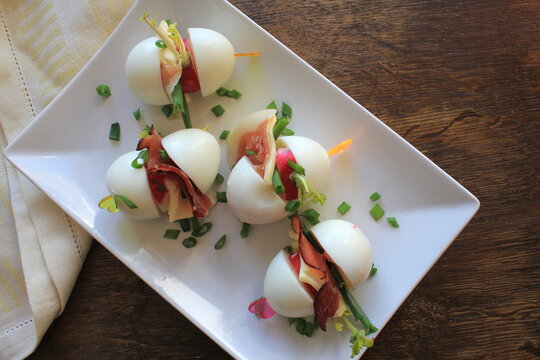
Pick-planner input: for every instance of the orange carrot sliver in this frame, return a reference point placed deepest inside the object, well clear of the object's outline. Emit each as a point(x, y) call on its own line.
point(257, 53)
point(341, 147)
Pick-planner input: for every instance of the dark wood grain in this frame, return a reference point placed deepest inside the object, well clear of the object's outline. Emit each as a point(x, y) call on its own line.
point(460, 80)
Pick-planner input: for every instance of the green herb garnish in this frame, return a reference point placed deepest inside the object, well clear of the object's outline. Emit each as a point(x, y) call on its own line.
point(235, 94)
point(300, 324)
point(221, 196)
point(311, 216)
point(291, 320)
point(160, 44)
point(224, 134)
point(222, 91)
point(272, 105)
point(373, 270)
point(185, 224)
point(189, 242)
point(305, 190)
point(200, 229)
point(145, 132)
point(143, 155)
point(286, 110)
point(375, 196)
point(392, 221)
point(297, 168)
point(287, 132)
point(137, 114)
point(343, 208)
point(288, 249)
point(130, 204)
point(103, 90)
point(245, 230)
point(171, 234)
point(218, 110)
point(114, 133)
point(219, 178)
point(278, 185)
point(220, 242)
point(376, 212)
point(292, 206)
point(280, 125)
point(167, 110)
point(251, 152)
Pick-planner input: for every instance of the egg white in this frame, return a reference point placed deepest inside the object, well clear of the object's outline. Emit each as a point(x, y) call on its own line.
point(252, 200)
point(214, 58)
point(123, 179)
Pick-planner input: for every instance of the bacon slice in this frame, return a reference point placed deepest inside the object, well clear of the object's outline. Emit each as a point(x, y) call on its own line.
point(156, 169)
point(257, 142)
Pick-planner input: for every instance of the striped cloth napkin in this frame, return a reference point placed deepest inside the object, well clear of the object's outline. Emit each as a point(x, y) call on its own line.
point(43, 44)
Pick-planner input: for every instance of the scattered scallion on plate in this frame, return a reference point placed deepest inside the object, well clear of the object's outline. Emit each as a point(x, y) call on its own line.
point(137, 114)
point(392, 221)
point(222, 91)
point(373, 270)
point(280, 125)
point(292, 206)
point(103, 90)
point(343, 208)
point(171, 234)
point(130, 204)
point(221, 196)
point(114, 132)
point(234, 94)
point(218, 110)
point(377, 212)
point(286, 110)
point(189, 242)
point(167, 110)
point(221, 242)
point(375, 196)
point(219, 178)
point(224, 134)
point(185, 224)
point(160, 44)
point(296, 167)
point(279, 188)
point(245, 230)
point(311, 216)
point(141, 158)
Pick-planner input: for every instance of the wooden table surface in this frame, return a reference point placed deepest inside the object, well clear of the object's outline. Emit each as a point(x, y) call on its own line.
point(460, 81)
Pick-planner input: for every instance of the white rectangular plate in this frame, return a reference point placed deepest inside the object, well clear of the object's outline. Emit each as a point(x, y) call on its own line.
point(66, 152)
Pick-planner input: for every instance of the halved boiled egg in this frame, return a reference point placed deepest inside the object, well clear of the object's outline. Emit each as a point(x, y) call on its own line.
point(125, 180)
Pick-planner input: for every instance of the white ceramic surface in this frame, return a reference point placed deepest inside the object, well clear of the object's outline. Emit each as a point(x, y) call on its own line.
point(70, 167)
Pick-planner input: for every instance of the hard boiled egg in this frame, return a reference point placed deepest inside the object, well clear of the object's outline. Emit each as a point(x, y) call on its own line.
point(123, 179)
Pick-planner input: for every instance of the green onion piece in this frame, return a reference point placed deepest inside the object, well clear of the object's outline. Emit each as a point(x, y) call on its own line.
point(130, 204)
point(224, 134)
point(160, 44)
point(287, 132)
point(177, 99)
point(311, 216)
point(376, 212)
point(167, 110)
point(137, 114)
point(278, 185)
point(222, 196)
point(373, 270)
point(245, 230)
point(114, 133)
point(288, 249)
point(142, 155)
point(292, 206)
point(272, 105)
point(281, 124)
point(222, 91)
point(375, 196)
point(235, 94)
point(309, 329)
point(163, 155)
point(251, 152)
point(220, 242)
point(300, 324)
point(185, 113)
point(168, 21)
point(103, 90)
point(185, 224)
point(291, 320)
point(392, 221)
point(218, 110)
point(299, 169)
point(343, 208)
point(286, 110)
point(200, 230)
point(144, 132)
point(219, 178)
point(171, 234)
point(189, 242)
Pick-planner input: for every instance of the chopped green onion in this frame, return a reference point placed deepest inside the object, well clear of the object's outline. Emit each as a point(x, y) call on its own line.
point(375, 196)
point(306, 191)
point(392, 221)
point(278, 185)
point(198, 229)
point(292, 206)
point(224, 134)
point(288, 249)
point(171, 234)
point(286, 110)
point(376, 212)
point(219, 178)
point(309, 329)
point(220, 242)
point(251, 152)
point(343, 208)
point(185, 224)
point(287, 132)
point(189, 242)
point(291, 320)
point(300, 324)
point(245, 230)
point(167, 110)
point(168, 21)
point(299, 169)
point(373, 270)
point(163, 155)
point(114, 133)
point(235, 94)
point(160, 44)
point(103, 90)
point(218, 110)
point(144, 132)
point(137, 114)
point(272, 105)
point(222, 91)
point(179, 103)
point(222, 196)
point(185, 113)
point(281, 124)
point(311, 216)
point(143, 155)
point(130, 204)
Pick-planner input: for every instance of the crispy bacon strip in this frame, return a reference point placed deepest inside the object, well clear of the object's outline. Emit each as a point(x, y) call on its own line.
point(200, 203)
point(310, 255)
